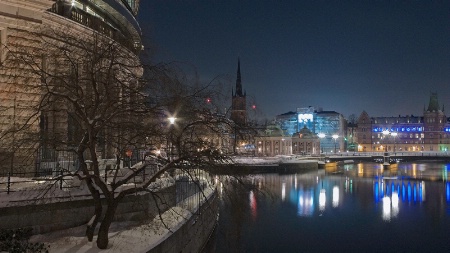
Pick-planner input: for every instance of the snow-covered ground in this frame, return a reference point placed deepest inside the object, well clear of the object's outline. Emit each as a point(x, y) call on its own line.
point(125, 236)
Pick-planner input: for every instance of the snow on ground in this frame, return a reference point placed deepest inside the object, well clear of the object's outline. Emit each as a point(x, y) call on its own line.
point(27, 191)
point(124, 236)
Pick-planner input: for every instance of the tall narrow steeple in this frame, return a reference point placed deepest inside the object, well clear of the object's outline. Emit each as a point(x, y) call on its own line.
point(238, 80)
point(238, 101)
point(434, 104)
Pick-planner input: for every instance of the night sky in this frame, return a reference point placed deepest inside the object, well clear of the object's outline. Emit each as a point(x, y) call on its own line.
point(385, 57)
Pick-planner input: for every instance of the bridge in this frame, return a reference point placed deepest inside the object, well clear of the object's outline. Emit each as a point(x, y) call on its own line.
point(396, 156)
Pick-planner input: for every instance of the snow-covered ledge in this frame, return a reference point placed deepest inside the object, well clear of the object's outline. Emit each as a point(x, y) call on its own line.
point(176, 230)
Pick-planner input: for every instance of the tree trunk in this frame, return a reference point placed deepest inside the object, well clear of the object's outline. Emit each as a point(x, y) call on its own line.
point(102, 237)
point(97, 213)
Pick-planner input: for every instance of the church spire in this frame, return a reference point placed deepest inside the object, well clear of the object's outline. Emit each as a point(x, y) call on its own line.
point(238, 80)
point(434, 104)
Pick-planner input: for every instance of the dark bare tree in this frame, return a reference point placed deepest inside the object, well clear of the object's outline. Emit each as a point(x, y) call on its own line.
point(97, 100)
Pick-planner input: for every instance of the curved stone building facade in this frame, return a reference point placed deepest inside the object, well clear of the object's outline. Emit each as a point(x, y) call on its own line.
point(21, 23)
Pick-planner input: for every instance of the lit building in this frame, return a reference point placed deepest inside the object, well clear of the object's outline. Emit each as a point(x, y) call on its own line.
point(329, 126)
point(20, 88)
point(273, 141)
point(430, 132)
point(305, 142)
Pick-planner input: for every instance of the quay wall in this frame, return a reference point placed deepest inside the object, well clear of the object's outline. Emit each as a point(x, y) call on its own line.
point(195, 232)
point(48, 217)
point(280, 168)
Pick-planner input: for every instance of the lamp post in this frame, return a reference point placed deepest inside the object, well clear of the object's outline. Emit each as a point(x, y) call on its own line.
point(171, 123)
point(335, 136)
point(321, 136)
point(395, 135)
point(129, 153)
point(386, 133)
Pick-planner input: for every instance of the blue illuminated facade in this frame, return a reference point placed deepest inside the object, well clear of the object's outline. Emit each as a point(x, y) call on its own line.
point(427, 133)
point(325, 124)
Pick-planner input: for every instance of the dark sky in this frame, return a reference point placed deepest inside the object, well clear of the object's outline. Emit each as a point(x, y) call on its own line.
point(385, 57)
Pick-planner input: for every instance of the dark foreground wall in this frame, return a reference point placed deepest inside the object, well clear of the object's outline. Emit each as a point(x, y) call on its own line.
point(49, 217)
point(193, 235)
point(282, 168)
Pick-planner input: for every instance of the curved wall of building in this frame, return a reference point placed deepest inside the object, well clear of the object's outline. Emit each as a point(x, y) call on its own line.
point(20, 91)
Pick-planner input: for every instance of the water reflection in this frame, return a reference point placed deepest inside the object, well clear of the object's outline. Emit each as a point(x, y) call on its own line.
point(309, 192)
point(253, 205)
point(409, 197)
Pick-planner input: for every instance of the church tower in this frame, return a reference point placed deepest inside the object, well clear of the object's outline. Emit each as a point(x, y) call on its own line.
point(434, 120)
point(238, 101)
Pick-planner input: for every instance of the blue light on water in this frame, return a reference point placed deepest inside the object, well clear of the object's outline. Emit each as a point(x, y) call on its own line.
point(409, 191)
point(376, 193)
point(448, 191)
point(415, 192)
point(420, 192)
point(392, 187)
point(403, 192)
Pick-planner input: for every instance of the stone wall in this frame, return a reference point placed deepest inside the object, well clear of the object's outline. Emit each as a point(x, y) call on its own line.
point(45, 218)
point(193, 235)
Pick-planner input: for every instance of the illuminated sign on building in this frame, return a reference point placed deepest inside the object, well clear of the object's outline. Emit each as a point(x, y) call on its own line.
point(303, 118)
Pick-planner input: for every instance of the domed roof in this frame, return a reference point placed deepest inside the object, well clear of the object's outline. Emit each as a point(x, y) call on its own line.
point(273, 131)
point(305, 133)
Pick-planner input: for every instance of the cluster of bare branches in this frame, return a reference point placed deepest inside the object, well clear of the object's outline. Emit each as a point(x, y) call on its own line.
point(97, 100)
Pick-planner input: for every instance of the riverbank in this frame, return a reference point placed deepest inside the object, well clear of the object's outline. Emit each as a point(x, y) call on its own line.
point(261, 165)
point(183, 228)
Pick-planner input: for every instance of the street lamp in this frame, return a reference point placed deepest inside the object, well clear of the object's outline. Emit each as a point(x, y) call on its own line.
point(171, 122)
point(386, 133)
point(335, 136)
point(321, 136)
point(395, 135)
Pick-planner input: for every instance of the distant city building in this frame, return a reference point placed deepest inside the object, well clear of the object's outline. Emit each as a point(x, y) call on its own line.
point(325, 124)
point(273, 141)
point(305, 142)
point(330, 127)
point(430, 132)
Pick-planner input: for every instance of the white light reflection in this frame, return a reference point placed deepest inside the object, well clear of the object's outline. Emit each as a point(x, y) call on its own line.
point(395, 208)
point(423, 191)
point(386, 209)
point(305, 203)
point(283, 191)
point(335, 196)
point(295, 183)
point(322, 200)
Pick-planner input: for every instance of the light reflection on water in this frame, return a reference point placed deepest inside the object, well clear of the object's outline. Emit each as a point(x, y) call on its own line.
point(362, 201)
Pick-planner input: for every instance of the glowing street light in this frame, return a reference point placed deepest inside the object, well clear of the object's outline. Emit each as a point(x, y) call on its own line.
point(321, 136)
point(386, 133)
point(171, 122)
point(335, 136)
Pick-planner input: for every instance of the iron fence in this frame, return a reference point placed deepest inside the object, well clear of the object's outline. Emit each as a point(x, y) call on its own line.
point(190, 187)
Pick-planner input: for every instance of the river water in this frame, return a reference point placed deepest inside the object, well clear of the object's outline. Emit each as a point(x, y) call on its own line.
point(349, 208)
